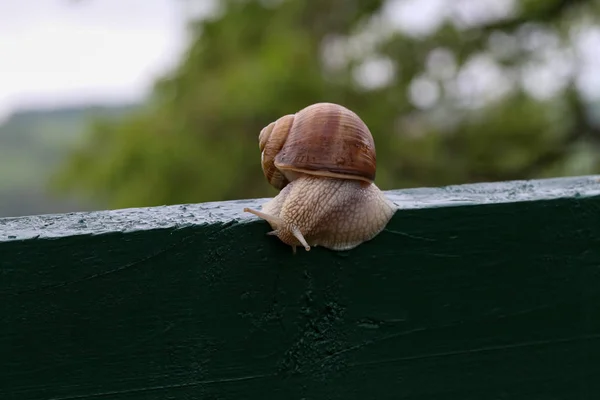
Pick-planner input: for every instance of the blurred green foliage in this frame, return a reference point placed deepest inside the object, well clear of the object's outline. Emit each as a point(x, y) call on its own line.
point(254, 61)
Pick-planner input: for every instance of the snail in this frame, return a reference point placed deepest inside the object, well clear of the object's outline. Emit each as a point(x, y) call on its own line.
point(322, 159)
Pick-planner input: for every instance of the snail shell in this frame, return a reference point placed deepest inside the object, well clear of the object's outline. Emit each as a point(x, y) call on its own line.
point(323, 139)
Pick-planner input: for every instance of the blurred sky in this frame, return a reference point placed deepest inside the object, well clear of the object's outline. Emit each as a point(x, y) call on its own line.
point(63, 52)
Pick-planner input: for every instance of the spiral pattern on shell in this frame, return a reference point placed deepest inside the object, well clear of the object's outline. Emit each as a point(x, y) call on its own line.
point(322, 139)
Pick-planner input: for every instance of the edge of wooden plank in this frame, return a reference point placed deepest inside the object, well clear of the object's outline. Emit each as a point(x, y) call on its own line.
point(231, 212)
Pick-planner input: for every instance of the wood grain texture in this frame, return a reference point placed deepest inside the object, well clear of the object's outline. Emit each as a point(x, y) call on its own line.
point(487, 291)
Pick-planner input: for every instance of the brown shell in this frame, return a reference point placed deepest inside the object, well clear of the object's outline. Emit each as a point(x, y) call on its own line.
point(322, 139)
point(270, 141)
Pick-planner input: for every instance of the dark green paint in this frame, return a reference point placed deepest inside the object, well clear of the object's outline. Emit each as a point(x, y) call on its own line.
point(487, 291)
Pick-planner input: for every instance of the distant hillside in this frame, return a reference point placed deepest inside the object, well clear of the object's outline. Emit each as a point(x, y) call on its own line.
point(33, 142)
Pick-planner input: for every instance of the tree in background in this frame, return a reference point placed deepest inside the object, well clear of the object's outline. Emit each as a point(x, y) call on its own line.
point(481, 90)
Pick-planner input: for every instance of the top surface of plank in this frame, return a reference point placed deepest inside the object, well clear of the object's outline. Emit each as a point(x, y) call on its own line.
point(177, 216)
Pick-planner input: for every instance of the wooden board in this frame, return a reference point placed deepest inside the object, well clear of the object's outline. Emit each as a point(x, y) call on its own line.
point(488, 291)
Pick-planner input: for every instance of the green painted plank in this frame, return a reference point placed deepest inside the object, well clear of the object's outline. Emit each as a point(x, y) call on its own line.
point(488, 291)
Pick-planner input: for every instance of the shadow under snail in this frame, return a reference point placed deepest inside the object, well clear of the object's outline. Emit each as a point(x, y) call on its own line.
point(322, 159)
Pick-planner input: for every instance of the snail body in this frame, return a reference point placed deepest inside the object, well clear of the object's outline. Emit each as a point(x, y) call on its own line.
point(322, 159)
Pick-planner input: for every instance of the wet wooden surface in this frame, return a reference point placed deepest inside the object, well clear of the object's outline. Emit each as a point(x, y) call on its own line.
point(486, 291)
